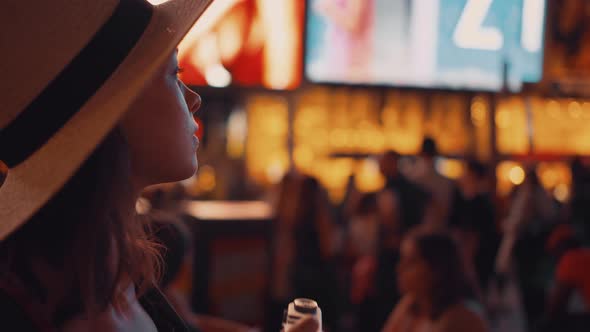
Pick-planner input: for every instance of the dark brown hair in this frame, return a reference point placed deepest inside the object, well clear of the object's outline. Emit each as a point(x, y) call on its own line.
point(87, 233)
point(450, 282)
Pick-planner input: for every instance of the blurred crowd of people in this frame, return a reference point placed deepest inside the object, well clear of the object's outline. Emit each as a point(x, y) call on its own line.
point(425, 253)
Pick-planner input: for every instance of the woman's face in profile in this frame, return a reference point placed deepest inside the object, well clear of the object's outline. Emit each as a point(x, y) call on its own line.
point(414, 275)
point(160, 129)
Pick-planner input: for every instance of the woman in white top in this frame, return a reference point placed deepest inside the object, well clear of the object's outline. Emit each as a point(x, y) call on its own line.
point(436, 294)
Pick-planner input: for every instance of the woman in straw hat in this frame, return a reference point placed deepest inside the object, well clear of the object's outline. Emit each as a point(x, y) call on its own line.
point(91, 112)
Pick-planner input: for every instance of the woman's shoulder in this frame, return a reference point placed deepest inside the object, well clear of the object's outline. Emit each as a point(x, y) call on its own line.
point(461, 318)
point(401, 316)
point(405, 305)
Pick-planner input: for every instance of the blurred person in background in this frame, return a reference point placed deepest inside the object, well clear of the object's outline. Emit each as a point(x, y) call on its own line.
point(282, 253)
point(437, 296)
point(531, 216)
point(401, 205)
point(440, 188)
point(351, 200)
point(473, 219)
point(363, 227)
point(374, 242)
point(571, 276)
point(363, 239)
point(304, 247)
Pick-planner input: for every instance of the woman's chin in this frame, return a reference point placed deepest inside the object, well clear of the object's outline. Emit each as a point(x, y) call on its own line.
point(179, 173)
point(188, 171)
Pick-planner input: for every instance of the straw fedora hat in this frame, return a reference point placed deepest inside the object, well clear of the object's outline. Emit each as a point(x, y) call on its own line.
point(68, 71)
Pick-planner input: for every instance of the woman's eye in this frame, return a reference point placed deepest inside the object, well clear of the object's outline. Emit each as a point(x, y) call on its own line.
point(178, 71)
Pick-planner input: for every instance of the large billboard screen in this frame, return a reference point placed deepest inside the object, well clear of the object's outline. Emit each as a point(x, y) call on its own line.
point(449, 44)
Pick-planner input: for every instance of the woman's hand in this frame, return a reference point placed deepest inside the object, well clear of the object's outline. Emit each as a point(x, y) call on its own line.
point(307, 324)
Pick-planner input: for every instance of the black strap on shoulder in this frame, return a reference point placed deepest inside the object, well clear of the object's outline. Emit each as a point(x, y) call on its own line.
point(161, 312)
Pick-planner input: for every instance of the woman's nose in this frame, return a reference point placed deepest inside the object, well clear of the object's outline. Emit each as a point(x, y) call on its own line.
point(193, 100)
